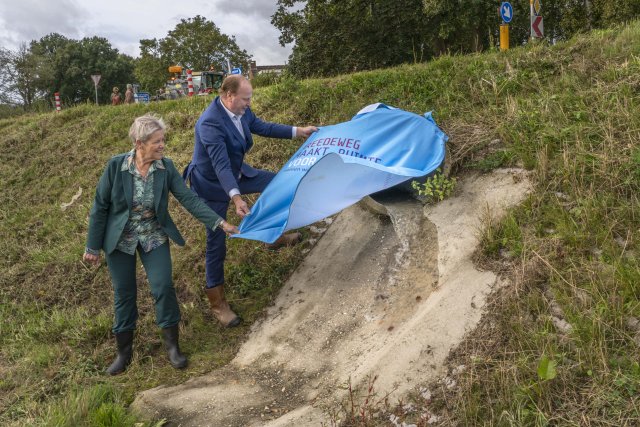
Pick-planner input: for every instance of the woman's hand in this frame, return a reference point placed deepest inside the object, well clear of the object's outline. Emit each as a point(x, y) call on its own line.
point(91, 259)
point(229, 228)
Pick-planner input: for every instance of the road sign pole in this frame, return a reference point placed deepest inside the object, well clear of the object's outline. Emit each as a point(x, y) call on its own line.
point(96, 80)
point(504, 37)
point(506, 13)
point(537, 26)
point(531, 18)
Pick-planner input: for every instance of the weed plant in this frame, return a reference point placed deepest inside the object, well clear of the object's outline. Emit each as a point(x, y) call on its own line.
point(435, 188)
point(559, 345)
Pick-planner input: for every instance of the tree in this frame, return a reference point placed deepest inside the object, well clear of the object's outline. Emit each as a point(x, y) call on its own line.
point(95, 55)
point(8, 78)
point(337, 36)
point(197, 44)
point(150, 68)
point(52, 51)
point(71, 63)
point(194, 43)
point(463, 26)
point(20, 77)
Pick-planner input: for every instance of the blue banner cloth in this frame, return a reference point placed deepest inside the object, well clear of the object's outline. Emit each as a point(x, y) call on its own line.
point(338, 165)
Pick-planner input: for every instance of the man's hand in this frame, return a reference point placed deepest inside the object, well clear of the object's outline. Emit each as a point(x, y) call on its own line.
point(305, 132)
point(229, 228)
point(91, 259)
point(242, 209)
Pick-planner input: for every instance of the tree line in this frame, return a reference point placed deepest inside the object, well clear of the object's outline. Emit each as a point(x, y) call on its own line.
point(340, 36)
point(35, 71)
point(329, 37)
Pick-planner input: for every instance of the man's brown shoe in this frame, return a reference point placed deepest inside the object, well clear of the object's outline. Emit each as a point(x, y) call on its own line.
point(220, 307)
point(289, 239)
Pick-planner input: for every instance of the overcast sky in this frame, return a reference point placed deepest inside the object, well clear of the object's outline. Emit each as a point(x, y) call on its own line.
point(125, 22)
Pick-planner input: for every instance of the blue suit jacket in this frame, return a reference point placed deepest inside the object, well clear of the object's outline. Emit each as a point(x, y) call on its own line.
point(218, 155)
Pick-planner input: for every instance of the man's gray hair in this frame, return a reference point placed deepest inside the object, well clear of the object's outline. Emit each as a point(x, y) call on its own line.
point(145, 126)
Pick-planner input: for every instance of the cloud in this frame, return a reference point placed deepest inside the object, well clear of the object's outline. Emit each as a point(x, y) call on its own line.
point(250, 22)
point(261, 8)
point(124, 23)
point(26, 20)
point(264, 53)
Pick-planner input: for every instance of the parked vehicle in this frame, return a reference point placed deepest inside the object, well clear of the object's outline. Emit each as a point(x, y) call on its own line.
point(204, 82)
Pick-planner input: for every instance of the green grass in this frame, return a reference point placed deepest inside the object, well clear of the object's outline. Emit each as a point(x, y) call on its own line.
point(57, 312)
point(570, 113)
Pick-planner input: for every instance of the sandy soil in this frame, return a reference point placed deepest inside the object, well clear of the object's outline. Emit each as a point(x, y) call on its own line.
point(387, 295)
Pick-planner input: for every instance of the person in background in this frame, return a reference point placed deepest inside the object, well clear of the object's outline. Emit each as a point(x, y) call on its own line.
point(128, 95)
point(115, 96)
point(130, 215)
point(218, 174)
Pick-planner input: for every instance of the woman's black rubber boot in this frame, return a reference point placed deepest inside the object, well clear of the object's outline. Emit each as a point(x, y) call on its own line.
point(171, 335)
point(124, 342)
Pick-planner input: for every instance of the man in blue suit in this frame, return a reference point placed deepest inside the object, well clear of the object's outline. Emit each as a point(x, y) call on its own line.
point(218, 174)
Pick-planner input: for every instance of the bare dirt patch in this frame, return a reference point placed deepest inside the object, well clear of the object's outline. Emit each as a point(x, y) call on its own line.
point(378, 295)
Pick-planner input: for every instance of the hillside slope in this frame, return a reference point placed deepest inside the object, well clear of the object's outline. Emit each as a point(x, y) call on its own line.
point(380, 296)
point(561, 344)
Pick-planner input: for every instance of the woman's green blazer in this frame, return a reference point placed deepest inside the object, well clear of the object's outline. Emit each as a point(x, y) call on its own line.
point(113, 202)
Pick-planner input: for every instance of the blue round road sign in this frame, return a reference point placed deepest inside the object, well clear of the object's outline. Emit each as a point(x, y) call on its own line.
point(506, 12)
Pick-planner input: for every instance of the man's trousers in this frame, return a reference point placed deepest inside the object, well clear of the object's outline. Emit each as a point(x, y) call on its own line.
point(216, 243)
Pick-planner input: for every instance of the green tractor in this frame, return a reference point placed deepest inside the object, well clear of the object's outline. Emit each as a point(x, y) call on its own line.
point(204, 82)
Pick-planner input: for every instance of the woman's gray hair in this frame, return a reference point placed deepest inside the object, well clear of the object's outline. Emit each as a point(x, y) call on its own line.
point(145, 126)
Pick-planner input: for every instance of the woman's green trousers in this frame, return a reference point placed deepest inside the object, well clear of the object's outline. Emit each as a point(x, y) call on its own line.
point(157, 264)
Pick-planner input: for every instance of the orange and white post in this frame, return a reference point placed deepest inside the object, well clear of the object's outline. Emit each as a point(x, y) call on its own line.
point(190, 82)
point(58, 104)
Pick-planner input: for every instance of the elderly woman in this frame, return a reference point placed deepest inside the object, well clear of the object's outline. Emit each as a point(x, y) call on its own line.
point(130, 215)
point(115, 96)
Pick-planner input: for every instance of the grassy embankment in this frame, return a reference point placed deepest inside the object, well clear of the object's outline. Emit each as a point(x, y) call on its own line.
point(570, 113)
